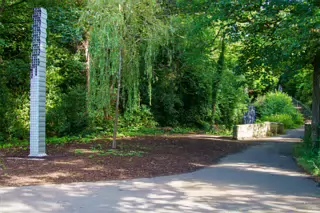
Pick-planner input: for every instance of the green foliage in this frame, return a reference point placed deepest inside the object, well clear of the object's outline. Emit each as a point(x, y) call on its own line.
point(189, 61)
point(232, 100)
point(286, 119)
point(261, 80)
point(139, 117)
point(308, 158)
point(142, 131)
point(78, 152)
point(298, 84)
point(274, 103)
point(122, 153)
point(64, 67)
point(131, 27)
point(68, 115)
point(181, 130)
point(196, 82)
point(278, 107)
point(17, 125)
point(97, 147)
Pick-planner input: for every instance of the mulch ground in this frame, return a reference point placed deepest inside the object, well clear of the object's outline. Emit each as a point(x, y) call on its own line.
point(75, 162)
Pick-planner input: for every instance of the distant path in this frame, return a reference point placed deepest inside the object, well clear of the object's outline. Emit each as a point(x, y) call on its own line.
point(263, 178)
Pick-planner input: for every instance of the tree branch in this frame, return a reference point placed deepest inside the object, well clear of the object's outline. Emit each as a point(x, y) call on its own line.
point(3, 5)
point(17, 3)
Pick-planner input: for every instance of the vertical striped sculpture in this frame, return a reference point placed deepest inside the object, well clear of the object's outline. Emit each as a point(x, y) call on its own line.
point(38, 85)
point(250, 117)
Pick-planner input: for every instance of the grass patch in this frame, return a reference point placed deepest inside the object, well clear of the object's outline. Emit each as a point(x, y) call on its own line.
point(2, 166)
point(139, 131)
point(78, 152)
point(308, 158)
point(107, 136)
point(122, 153)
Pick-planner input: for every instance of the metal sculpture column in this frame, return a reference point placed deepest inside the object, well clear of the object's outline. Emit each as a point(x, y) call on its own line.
point(38, 85)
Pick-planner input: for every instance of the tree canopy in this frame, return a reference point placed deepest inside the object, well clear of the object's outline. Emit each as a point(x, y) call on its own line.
point(184, 63)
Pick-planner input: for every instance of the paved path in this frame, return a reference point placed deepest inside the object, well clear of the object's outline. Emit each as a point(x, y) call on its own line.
point(263, 178)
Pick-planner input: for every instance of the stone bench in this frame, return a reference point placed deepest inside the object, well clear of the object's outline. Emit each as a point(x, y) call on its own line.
point(248, 131)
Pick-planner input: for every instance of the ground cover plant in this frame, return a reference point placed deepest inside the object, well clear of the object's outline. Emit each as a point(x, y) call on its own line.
point(308, 156)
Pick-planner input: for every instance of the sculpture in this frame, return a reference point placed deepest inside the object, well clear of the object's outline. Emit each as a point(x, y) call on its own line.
point(38, 85)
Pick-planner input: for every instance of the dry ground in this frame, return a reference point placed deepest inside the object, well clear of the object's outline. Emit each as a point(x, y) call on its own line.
point(136, 158)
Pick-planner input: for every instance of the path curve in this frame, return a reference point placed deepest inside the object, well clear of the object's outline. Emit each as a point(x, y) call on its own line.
point(263, 178)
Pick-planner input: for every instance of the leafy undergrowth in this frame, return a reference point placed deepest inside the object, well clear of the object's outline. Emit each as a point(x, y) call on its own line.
point(107, 135)
point(123, 151)
point(308, 159)
point(278, 107)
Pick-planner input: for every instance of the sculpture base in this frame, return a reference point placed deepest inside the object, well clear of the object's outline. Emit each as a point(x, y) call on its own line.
point(40, 155)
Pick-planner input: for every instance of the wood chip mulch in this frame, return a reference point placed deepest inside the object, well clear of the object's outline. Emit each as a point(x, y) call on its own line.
point(85, 163)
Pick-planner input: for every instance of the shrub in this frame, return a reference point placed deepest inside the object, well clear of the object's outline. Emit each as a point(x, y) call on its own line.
point(278, 107)
point(139, 117)
point(308, 158)
point(274, 103)
point(68, 115)
point(282, 118)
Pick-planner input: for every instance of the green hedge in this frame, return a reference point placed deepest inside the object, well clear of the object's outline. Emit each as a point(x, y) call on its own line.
point(278, 107)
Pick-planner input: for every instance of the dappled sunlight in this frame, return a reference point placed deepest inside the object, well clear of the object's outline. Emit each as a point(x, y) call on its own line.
point(84, 151)
point(277, 140)
point(6, 190)
point(227, 201)
point(162, 196)
point(29, 159)
point(38, 179)
point(139, 185)
point(261, 179)
point(69, 162)
point(261, 168)
point(204, 197)
point(15, 207)
point(94, 168)
point(183, 193)
point(33, 180)
point(256, 168)
point(53, 175)
point(276, 171)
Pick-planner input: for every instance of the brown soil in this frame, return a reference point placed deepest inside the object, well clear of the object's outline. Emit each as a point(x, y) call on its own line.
point(84, 162)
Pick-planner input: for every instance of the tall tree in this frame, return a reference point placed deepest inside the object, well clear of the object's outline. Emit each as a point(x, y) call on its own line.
point(218, 78)
point(123, 34)
point(284, 35)
point(276, 36)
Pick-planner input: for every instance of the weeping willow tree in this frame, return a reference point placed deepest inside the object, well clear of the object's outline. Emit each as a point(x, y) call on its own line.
point(124, 37)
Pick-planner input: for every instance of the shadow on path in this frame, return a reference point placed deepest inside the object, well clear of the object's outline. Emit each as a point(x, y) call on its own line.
point(263, 178)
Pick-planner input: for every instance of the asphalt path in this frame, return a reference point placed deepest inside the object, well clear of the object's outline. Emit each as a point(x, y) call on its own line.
point(263, 178)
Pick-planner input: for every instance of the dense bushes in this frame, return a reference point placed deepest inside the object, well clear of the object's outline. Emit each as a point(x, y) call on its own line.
point(278, 107)
point(298, 84)
point(66, 92)
point(282, 118)
point(195, 80)
point(68, 114)
point(137, 119)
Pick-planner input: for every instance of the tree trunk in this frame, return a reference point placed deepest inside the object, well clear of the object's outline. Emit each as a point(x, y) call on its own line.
point(115, 129)
point(217, 81)
point(316, 102)
point(3, 5)
point(86, 47)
